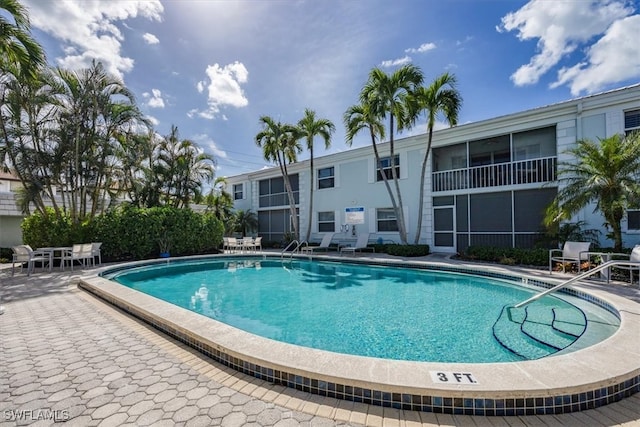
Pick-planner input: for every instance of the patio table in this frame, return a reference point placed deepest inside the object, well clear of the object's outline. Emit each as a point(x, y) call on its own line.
point(57, 252)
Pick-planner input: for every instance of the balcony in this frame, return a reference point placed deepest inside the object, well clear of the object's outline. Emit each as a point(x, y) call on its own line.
point(512, 173)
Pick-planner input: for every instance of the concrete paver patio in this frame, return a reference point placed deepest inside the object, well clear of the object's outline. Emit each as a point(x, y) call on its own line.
point(65, 353)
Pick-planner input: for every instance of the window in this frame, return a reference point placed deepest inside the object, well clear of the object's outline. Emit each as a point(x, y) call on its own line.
point(237, 192)
point(385, 167)
point(272, 192)
point(633, 220)
point(326, 222)
point(386, 219)
point(631, 121)
point(326, 178)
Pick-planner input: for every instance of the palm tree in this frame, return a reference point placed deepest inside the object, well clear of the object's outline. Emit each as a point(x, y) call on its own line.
point(245, 221)
point(17, 47)
point(387, 95)
point(280, 144)
point(311, 127)
point(138, 155)
point(219, 202)
point(440, 97)
point(358, 118)
point(184, 169)
point(607, 173)
point(95, 108)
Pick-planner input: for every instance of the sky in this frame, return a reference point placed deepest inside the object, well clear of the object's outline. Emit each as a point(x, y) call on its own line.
point(214, 67)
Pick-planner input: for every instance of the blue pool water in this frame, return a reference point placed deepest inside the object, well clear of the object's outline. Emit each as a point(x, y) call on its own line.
point(385, 312)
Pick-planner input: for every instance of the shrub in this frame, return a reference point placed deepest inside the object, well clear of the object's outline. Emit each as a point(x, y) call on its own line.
point(508, 256)
point(401, 250)
point(40, 230)
point(130, 233)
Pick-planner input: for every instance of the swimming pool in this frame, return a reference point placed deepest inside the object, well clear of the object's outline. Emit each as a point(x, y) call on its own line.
point(569, 381)
point(376, 311)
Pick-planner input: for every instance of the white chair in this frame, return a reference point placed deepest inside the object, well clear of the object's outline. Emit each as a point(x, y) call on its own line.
point(361, 245)
point(24, 254)
point(82, 253)
point(247, 244)
point(634, 256)
point(324, 244)
point(233, 244)
point(225, 243)
point(96, 253)
point(571, 253)
point(257, 243)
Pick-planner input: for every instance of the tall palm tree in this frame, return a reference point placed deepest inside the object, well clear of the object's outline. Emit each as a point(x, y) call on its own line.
point(185, 169)
point(606, 172)
point(439, 98)
point(27, 117)
point(387, 95)
point(279, 143)
point(17, 46)
point(138, 155)
point(358, 118)
point(311, 127)
point(95, 107)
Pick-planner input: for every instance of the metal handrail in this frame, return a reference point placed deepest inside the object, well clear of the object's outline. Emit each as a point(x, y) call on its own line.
point(295, 250)
point(584, 275)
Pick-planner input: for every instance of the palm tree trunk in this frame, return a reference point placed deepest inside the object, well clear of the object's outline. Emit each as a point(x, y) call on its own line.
point(384, 176)
point(292, 202)
point(423, 174)
point(312, 184)
point(402, 230)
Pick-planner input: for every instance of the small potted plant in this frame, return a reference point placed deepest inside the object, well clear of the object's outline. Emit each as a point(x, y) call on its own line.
point(164, 243)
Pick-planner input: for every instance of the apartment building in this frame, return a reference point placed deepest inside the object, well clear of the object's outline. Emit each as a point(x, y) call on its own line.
point(487, 183)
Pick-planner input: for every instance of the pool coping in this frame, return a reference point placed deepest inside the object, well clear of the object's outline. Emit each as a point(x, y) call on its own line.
point(584, 379)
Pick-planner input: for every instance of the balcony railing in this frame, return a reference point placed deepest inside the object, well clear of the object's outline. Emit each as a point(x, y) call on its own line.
point(513, 173)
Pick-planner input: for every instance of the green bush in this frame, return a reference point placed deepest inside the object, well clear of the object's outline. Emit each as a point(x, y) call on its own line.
point(508, 256)
point(401, 250)
point(131, 233)
point(40, 230)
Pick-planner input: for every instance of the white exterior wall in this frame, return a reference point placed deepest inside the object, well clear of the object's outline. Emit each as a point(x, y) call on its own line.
point(591, 117)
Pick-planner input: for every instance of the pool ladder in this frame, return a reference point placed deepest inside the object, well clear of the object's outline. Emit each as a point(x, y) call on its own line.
point(598, 269)
point(296, 249)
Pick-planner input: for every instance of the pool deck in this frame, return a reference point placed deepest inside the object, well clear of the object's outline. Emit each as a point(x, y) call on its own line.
point(65, 352)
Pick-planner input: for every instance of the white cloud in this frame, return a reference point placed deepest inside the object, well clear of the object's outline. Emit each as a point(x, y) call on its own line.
point(154, 99)
point(465, 41)
point(155, 122)
point(223, 89)
point(424, 47)
point(396, 62)
point(613, 58)
point(560, 27)
point(209, 146)
point(88, 30)
point(150, 38)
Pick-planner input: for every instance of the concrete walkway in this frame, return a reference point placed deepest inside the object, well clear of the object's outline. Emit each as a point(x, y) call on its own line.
point(67, 355)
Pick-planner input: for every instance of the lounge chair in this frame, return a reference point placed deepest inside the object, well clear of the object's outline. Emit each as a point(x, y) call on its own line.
point(24, 254)
point(634, 256)
point(571, 253)
point(361, 245)
point(324, 244)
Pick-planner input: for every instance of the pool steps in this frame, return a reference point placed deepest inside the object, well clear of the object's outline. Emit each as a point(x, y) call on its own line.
point(536, 332)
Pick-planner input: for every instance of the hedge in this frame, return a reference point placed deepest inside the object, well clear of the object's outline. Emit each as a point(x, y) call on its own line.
point(130, 233)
